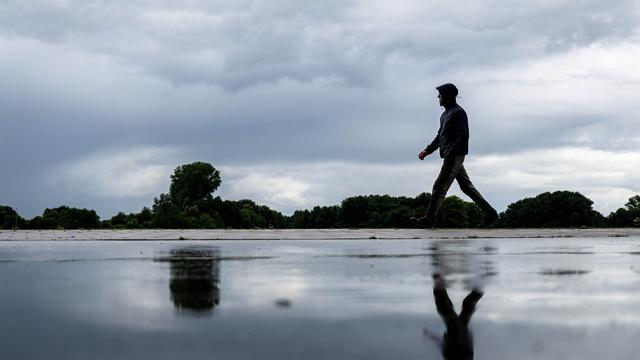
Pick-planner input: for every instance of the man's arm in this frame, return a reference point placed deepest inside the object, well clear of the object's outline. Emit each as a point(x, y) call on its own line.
point(431, 147)
point(434, 144)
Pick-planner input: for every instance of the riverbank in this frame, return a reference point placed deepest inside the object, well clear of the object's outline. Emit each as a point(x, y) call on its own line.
point(308, 234)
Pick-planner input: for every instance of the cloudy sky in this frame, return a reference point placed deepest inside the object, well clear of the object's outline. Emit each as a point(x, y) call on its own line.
point(305, 103)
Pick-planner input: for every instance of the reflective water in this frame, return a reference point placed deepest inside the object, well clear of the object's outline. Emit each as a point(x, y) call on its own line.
point(368, 299)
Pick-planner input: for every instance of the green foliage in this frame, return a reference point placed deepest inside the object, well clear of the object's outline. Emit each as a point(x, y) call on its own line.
point(192, 185)
point(190, 204)
point(64, 217)
point(385, 211)
point(556, 209)
point(377, 211)
point(9, 219)
point(475, 216)
point(629, 216)
point(166, 214)
point(144, 217)
point(141, 220)
point(245, 214)
point(633, 204)
point(453, 213)
point(299, 219)
point(320, 217)
point(356, 212)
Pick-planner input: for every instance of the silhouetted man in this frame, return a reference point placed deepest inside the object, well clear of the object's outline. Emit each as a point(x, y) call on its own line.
point(457, 342)
point(453, 141)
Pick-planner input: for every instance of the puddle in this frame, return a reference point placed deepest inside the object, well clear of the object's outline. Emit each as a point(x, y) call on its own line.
point(313, 299)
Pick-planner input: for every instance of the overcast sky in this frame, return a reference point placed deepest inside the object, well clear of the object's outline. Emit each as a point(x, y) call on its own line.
point(305, 103)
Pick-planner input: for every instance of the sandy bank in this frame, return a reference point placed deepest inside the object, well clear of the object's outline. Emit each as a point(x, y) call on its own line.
point(310, 234)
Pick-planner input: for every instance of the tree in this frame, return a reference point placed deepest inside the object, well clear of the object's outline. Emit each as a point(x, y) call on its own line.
point(9, 218)
point(475, 216)
point(144, 217)
point(633, 204)
point(627, 216)
point(452, 213)
point(355, 212)
point(322, 217)
point(141, 220)
point(189, 203)
point(64, 217)
point(552, 209)
point(165, 213)
point(118, 220)
point(192, 185)
point(385, 211)
point(398, 218)
point(299, 219)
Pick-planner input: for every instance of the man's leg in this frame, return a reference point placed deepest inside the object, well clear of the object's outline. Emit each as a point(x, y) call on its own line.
point(448, 172)
point(469, 306)
point(467, 187)
point(444, 305)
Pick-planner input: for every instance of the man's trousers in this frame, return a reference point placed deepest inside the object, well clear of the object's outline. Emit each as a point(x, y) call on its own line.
point(452, 168)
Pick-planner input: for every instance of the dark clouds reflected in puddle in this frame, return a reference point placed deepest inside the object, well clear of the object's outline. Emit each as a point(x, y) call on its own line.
point(542, 299)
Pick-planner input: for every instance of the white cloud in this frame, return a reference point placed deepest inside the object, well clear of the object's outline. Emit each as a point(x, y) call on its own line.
point(595, 79)
point(288, 187)
point(608, 178)
point(276, 190)
point(331, 89)
point(134, 172)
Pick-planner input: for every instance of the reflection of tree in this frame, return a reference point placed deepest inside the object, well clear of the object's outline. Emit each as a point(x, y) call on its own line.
point(195, 275)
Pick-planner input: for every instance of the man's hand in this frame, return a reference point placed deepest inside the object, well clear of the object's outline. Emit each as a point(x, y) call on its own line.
point(422, 155)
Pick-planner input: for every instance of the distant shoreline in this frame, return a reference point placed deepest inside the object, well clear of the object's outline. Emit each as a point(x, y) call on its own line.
point(309, 234)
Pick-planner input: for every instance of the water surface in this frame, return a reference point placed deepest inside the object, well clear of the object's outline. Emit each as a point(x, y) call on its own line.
point(322, 299)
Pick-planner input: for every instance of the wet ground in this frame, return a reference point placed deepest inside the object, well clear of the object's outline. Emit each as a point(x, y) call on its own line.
point(559, 298)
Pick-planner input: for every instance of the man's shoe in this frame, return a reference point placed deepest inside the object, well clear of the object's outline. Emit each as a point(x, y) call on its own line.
point(423, 221)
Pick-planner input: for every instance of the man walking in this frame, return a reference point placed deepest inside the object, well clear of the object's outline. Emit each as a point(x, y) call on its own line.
point(453, 141)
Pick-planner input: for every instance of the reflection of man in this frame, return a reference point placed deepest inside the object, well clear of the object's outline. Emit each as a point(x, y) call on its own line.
point(453, 141)
point(457, 343)
point(195, 275)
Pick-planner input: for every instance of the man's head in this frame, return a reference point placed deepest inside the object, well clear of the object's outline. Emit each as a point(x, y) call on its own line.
point(447, 93)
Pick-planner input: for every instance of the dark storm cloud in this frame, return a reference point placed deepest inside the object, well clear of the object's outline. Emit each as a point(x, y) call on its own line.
point(249, 82)
point(240, 44)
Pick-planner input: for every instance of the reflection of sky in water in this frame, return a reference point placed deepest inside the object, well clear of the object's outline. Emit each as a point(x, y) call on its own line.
point(544, 298)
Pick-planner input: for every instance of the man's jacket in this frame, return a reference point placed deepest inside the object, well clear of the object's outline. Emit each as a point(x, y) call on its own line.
point(453, 135)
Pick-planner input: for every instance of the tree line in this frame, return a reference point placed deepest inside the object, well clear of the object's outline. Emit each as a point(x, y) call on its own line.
point(189, 203)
